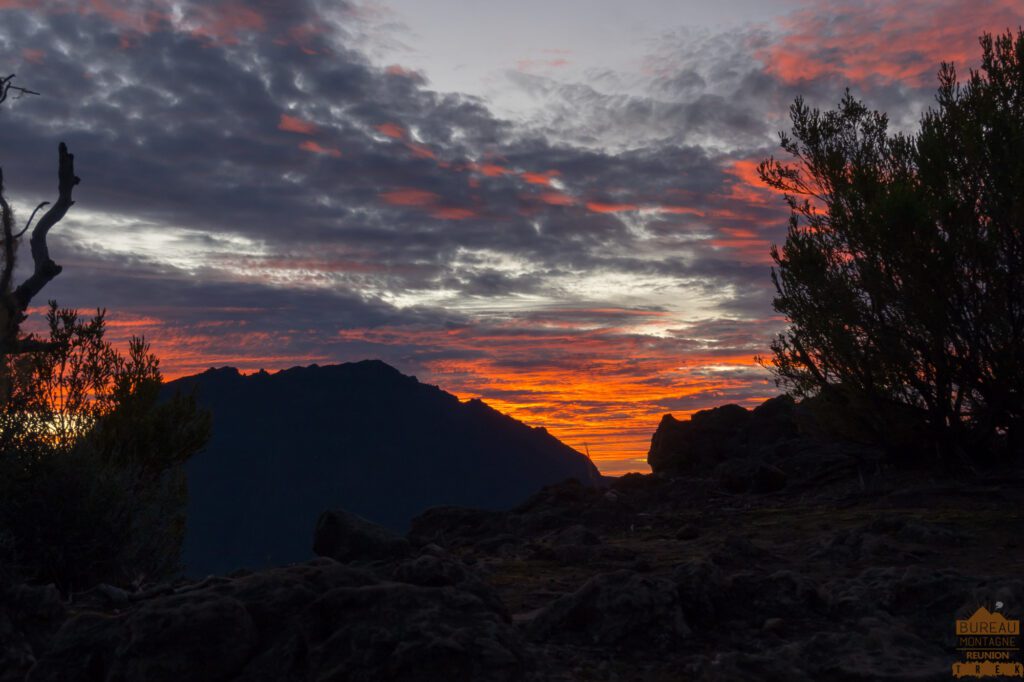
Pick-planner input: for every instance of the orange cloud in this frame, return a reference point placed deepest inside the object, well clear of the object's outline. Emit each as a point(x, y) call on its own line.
point(885, 40)
point(491, 170)
point(410, 197)
point(540, 178)
point(317, 148)
point(746, 186)
point(397, 70)
point(421, 151)
point(392, 130)
point(557, 199)
point(598, 207)
point(421, 198)
point(33, 56)
point(750, 246)
point(449, 213)
point(296, 125)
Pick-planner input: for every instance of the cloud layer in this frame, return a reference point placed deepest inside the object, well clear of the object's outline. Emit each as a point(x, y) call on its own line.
point(257, 192)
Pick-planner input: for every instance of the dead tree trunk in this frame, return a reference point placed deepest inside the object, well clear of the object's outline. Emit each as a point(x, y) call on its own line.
point(16, 301)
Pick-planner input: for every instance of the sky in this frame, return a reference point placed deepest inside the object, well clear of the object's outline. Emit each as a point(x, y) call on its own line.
point(552, 206)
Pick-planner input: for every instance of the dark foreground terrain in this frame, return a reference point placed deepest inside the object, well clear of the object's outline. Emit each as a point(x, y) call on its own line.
point(817, 565)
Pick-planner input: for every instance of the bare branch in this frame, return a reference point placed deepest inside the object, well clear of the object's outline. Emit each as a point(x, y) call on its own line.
point(6, 88)
point(31, 218)
point(33, 345)
point(44, 268)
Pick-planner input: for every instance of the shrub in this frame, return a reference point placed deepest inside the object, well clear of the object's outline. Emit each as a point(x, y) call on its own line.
point(92, 486)
point(900, 273)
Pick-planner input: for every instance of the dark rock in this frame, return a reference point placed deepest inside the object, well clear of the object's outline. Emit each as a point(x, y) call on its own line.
point(759, 451)
point(748, 476)
point(559, 499)
point(616, 609)
point(633, 483)
point(699, 586)
point(343, 536)
point(739, 665)
point(773, 421)
point(737, 550)
point(756, 596)
point(699, 444)
point(445, 570)
point(875, 648)
point(495, 542)
point(451, 526)
point(688, 532)
point(103, 596)
point(573, 535)
point(196, 636)
point(430, 570)
point(313, 621)
point(574, 554)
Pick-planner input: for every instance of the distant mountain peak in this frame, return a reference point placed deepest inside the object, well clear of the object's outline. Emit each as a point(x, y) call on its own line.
point(359, 436)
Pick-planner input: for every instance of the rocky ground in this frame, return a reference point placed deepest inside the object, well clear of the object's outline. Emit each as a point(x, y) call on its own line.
point(828, 567)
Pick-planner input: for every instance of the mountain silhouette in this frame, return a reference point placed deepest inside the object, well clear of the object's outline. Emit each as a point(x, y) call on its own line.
point(358, 436)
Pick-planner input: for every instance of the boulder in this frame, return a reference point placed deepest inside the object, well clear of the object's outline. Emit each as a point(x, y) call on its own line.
point(451, 526)
point(699, 444)
point(343, 536)
point(576, 534)
point(749, 476)
point(616, 609)
point(772, 421)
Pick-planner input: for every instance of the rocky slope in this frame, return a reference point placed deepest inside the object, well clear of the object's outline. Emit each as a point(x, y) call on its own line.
point(845, 571)
point(362, 436)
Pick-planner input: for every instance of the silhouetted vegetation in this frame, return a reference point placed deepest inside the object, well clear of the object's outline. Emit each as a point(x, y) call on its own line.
point(901, 271)
point(92, 487)
point(14, 300)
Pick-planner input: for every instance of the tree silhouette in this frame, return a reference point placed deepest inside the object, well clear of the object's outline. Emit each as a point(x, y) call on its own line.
point(14, 301)
point(92, 483)
point(900, 273)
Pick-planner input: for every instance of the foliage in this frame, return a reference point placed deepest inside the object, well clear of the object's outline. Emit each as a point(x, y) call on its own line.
point(900, 274)
point(92, 486)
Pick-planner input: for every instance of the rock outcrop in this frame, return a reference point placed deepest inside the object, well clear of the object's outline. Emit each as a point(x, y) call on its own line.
point(755, 451)
point(344, 536)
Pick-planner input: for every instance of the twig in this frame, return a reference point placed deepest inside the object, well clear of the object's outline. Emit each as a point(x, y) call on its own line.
point(6, 87)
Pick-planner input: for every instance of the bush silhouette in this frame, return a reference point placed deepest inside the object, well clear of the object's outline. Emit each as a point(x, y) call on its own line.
point(92, 485)
point(900, 275)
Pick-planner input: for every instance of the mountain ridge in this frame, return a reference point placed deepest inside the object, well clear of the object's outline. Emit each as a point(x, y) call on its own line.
point(360, 436)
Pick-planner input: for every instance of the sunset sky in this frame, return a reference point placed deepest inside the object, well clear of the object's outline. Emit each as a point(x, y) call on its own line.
point(549, 205)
